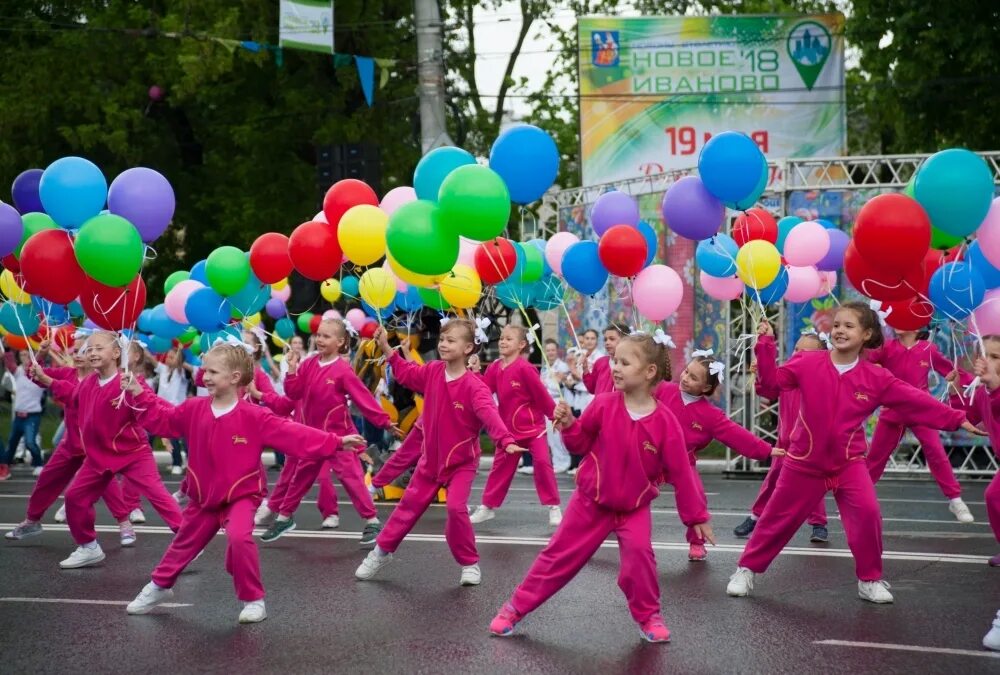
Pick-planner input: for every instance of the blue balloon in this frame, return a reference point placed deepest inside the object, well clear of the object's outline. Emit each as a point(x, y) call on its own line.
point(349, 286)
point(733, 169)
point(145, 321)
point(252, 297)
point(75, 309)
point(284, 328)
point(434, 167)
point(514, 294)
point(198, 272)
point(547, 294)
point(652, 245)
point(73, 190)
point(956, 289)
point(582, 268)
point(955, 187)
point(717, 256)
point(990, 274)
point(410, 301)
point(773, 292)
point(192, 358)
point(785, 226)
point(385, 312)
point(206, 310)
point(528, 161)
point(55, 315)
point(19, 319)
point(159, 345)
point(162, 325)
point(128, 334)
point(826, 223)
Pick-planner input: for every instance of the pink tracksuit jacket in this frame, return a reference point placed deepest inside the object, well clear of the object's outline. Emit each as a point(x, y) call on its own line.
point(984, 410)
point(599, 379)
point(911, 365)
point(109, 428)
point(523, 400)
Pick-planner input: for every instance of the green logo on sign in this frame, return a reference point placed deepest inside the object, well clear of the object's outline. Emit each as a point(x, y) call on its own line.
point(809, 46)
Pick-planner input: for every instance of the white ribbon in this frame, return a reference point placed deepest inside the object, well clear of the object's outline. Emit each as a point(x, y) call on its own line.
point(876, 306)
point(698, 353)
point(661, 338)
point(718, 369)
point(82, 333)
point(351, 330)
point(482, 323)
point(824, 338)
point(232, 341)
point(444, 320)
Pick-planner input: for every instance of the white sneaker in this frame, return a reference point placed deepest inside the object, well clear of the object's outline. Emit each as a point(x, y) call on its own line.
point(127, 534)
point(253, 612)
point(961, 511)
point(471, 575)
point(371, 565)
point(555, 516)
point(992, 639)
point(83, 557)
point(875, 591)
point(741, 583)
point(137, 517)
point(149, 597)
point(37, 471)
point(482, 514)
point(181, 498)
point(61, 514)
point(526, 470)
point(331, 522)
point(263, 515)
point(176, 470)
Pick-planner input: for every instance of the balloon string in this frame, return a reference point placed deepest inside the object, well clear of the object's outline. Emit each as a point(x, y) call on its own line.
point(569, 320)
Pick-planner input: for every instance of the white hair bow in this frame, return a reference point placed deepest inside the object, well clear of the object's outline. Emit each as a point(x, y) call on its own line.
point(445, 320)
point(82, 333)
point(661, 338)
point(717, 368)
point(482, 324)
point(823, 337)
point(351, 330)
point(876, 305)
point(233, 341)
point(698, 353)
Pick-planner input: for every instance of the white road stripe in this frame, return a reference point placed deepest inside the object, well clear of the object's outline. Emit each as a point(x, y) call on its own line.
point(77, 601)
point(908, 648)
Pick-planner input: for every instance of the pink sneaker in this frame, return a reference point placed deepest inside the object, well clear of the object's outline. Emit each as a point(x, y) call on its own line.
point(995, 560)
point(505, 620)
point(697, 553)
point(654, 630)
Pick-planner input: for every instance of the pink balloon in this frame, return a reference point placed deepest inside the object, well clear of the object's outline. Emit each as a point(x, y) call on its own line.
point(332, 314)
point(987, 315)
point(803, 284)
point(284, 294)
point(806, 244)
point(356, 318)
point(555, 247)
point(988, 234)
point(467, 252)
point(657, 292)
point(827, 282)
point(721, 288)
point(396, 197)
point(177, 297)
point(320, 217)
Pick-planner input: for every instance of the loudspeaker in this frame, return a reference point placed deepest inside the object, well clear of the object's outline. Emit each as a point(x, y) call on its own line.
point(361, 161)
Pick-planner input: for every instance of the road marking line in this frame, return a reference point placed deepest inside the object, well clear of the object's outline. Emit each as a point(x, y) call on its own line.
point(77, 601)
point(908, 648)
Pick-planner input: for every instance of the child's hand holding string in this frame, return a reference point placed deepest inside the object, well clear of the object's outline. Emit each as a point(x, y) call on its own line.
point(382, 340)
point(131, 384)
point(986, 375)
point(778, 452)
point(39, 376)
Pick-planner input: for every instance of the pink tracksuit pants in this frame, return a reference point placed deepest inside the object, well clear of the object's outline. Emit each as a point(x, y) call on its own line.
point(197, 529)
point(992, 497)
point(816, 517)
point(57, 474)
point(887, 437)
point(327, 500)
point(345, 466)
point(584, 527)
point(504, 466)
point(796, 494)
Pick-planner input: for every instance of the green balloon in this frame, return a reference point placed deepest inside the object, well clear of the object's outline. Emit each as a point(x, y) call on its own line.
point(174, 279)
point(304, 320)
point(534, 266)
point(228, 270)
point(418, 241)
point(34, 222)
point(432, 298)
point(109, 249)
point(190, 335)
point(196, 345)
point(474, 202)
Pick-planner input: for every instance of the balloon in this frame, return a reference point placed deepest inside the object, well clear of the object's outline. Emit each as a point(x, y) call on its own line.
point(269, 257)
point(144, 198)
point(109, 249)
point(276, 308)
point(206, 310)
point(807, 244)
point(49, 265)
point(33, 223)
point(803, 284)
point(474, 202)
point(496, 260)
point(942, 240)
point(177, 298)
point(112, 307)
point(434, 167)
point(827, 282)
point(554, 250)
point(368, 330)
point(582, 269)
point(331, 314)
point(733, 169)
point(773, 292)
point(19, 319)
point(657, 292)
point(280, 284)
point(304, 320)
point(283, 294)
point(417, 240)
point(361, 234)
point(758, 264)
point(330, 290)
point(174, 279)
point(910, 314)
point(652, 243)
point(189, 335)
point(314, 323)
point(410, 301)
point(284, 328)
point(228, 270)
point(10, 263)
point(250, 299)
point(893, 230)
point(691, 211)
point(372, 313)
point(785, 226)
point(528, 161)
point(198, 272)
point(356, 317)
point(161, 324)
point(406, 276)
point(534, 263)
point(11, 229)
point(73, 190)
point(463, 288)
point(314, 250)
point(985, 320)
point(755, 224)
point(956, 289)
point(979, 263)
point(725, 289)
point(350, 286)
point(159, 345)
point(515, 295)
point(396, 197)
point(834, 258)
point(25, 191)
point(467, 252)
point(623, 250)
point(432, 298)
point(988, 235)
point(343, 195)
point(875, 283)
point(377, 288)
point(548, 294)
point(955, 188)
point(717, 256)
point(613, 208)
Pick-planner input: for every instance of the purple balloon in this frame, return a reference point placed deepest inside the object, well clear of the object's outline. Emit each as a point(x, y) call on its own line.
point(144, 198)
point(91, 325)
point(275, 308)
point(11, 229)
point(691, 211)
point(834, 259)
point(25, 191)
point(613, 208)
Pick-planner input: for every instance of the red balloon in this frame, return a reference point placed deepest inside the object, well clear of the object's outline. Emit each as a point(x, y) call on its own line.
point(368, 329)
point(622, 250)
point(63, 338)
point(343, 195)
point(49, 266)
point(894, 230)
point(495, 260)
point(910, 314)
point(878, 284)
point(314, 323)
point(11, 263)
point(314, 250)
point(754, 224)
point(15, 341)
point(269, 257)
point(114, 308)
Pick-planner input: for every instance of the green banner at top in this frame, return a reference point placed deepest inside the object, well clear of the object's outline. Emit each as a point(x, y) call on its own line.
point(306, 24)
point(653, 90)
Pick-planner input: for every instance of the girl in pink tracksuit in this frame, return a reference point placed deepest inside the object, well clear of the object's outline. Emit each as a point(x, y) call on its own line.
point(597, 378)
point(631, 442)
point(827, 448)
point(457, 404)
point(766, 386)
point(911, 359)
point(226, 436)
point(702, 422)
point(114, 444)
point(524, 404)
point(322, 390)
point(406, 455)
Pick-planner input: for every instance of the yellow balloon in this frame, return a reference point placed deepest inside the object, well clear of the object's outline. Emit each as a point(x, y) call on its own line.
point(10, 289)
point(361, 233)
point(278, 342)
point(758, 263)
point(412, 278)
point(377, 288)
point(462, 288)
point(278, 285)
point(252, 320)
point(330, 290)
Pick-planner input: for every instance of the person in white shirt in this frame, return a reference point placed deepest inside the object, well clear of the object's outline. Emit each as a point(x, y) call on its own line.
point(554, 375)
point(27, 418)
point(172, 386)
